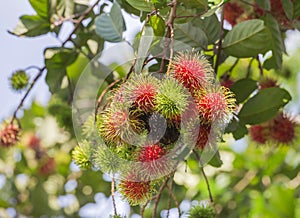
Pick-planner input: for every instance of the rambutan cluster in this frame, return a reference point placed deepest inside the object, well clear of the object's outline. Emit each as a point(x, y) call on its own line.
point(281, 130)
point(146, 119)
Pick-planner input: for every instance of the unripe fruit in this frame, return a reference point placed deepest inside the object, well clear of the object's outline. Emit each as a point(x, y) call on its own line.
point(19, 80)
point(9, 136)
point(200, 211)
point(82, 154)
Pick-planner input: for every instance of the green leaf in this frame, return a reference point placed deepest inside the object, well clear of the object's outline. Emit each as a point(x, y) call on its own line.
point(145, 43)
point(65, 8)
point(211, 26)
point(142, 5)
point(264, 105)
point(199, 4)
point(243, 88)
point(191, 35)
point(216, 160)
point(296, 9)
point(288, 8)
point(247, 39)
point(31, 25)
point(41, 7)
point(237, 129)
point(56, 61)
point(75, 69)
point(158, 25)
point(111, 26)
point(264, 4)
point(276, 43)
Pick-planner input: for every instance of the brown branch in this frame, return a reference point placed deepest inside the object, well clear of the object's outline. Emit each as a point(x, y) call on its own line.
point(170, 33)
point(113, 196)
point(143, 209)
point(219, 45)
point(102, 96)
point(260, 67)
point(36, 78)
point(205, 176)
point(192, 15)
point(249, 68)
point(157, 198)
point(171, 193)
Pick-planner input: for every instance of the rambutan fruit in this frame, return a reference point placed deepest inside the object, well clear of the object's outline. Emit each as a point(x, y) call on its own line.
point(136, 192)
point(117, 124)
point(34, 142)
point(19, 80)
point(192, 70)
point(141, 90)
point(267, 83)
point(215, 104)
point(283, 129)
point(172, 99)
point(202, 211)
point(9, 136)
point(82, 154)
point(150, 158)
point(259, 133)
point(203, 136)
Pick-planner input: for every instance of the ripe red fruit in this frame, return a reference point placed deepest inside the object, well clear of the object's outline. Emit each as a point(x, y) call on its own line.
point(227, 83)
point(142, 90)
point(192, 70)
point(203, 136)
point(267, 83)
point(259, 133)
point(283, 129)
point(34, 142)
point(215, 105)
point(9, 136)
point(151, 163)
point(135, 192)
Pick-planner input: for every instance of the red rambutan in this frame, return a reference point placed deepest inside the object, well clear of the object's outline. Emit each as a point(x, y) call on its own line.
point(141, 90)
point(283, 129)
point(259, 133)
point(203, 136)
point(216, 104)
point(48, 166)
point(192, 70)
point(9, 136)
point(136, 192)
point(232, 12)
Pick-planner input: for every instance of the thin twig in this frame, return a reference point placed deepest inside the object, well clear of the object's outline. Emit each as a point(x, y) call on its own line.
point(102, 96)
point(192, 15)
point(175, 200)
point(219, 45)
point(113, 195)
point(36, 78)
point(170, 34)
point(143, 209)
point(205, 177)
point(157, 198)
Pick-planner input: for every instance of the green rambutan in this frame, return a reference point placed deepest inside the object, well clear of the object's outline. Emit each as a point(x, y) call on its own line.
point(82, 155)
point(192, 70)
point(172, 99)
point(19, 80)
point(202, 211)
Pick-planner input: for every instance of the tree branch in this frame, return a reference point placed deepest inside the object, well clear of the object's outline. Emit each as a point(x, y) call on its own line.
point(220, 42)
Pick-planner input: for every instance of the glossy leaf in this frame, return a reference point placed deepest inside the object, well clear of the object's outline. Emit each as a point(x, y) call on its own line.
point(111, 26)
point(41, 7)
point(158, 25)
point(191, 35)
point(195, 3)
point(56, 61)
point(264, 105)
point(243, 89)
point(276, 43)
point(247, 39)
point(288, 8)
point(31, 25)
point(142, 5)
